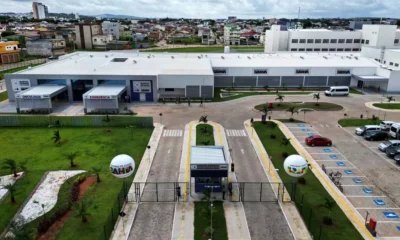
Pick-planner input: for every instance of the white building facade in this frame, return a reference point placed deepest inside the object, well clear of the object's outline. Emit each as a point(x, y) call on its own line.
point(231, 35)
point(112, 28)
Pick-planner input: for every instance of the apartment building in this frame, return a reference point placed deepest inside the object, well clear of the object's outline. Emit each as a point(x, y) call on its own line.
point(84, 33)
point(231, 34)
point(112, 28)
point(40, 11)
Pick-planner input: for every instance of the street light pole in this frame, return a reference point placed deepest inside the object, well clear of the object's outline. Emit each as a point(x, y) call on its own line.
point(160, 117)
point(148, 147)
point(211, 207)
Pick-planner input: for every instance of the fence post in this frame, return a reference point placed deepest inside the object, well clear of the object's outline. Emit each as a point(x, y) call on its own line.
point(283, 192)
point(320, 232)
point(301, 209)
point(157, 191)
point(309, 220)
point(243, 191)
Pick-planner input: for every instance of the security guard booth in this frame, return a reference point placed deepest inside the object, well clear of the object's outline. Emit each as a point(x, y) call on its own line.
point(103, 98)
point(208, 167)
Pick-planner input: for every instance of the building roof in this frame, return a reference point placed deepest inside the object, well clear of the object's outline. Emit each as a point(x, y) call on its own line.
point(43, 90)
point(106, 90)
point(207, 155)
point(8, 43)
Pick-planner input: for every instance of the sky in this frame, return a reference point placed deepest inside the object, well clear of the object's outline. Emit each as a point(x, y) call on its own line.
point(217, 8)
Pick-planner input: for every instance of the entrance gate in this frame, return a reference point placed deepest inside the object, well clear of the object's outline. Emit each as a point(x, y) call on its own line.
point(160, 191)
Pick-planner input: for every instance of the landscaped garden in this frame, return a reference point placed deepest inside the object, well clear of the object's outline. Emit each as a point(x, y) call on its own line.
point(323, 217)
point(358, 122)
point(91, 149)
point(395, 106)
point(3, 96)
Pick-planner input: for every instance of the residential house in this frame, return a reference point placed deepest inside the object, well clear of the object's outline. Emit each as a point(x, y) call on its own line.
point(47, 47)
point(9, 52)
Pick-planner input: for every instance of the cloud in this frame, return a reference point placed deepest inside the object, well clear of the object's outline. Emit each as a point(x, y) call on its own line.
point(217, 8)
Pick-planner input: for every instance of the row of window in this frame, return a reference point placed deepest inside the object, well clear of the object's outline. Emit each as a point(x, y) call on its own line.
point(298, 71)
point(325, 49)
point(393, 64)
point(326, 41)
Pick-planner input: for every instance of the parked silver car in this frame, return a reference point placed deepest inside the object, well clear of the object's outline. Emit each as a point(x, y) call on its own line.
point(391, 143)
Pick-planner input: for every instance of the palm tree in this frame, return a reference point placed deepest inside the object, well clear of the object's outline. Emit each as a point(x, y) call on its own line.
point(71, 156)
point(97, 170)
point(82, 209)
point(292, 110)
point(11, 188)
point(305, 110)
point(56, 136)
point(316, 96)
point(280, 98)
point(390, 99)
point(285, 141)
point(11, 165)
point(203, 119)
point(107, 120)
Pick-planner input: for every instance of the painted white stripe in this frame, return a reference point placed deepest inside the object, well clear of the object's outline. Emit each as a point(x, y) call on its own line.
point(359, 196)
point(327, 125)
point(322, 125)
point(357, 185)
point(380, 208)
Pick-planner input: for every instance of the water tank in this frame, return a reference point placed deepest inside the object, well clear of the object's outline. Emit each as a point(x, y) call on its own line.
point(227, 49)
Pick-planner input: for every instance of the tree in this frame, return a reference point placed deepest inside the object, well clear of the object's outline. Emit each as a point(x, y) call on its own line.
point(390, 99)
point(56, 137)
point(97, 170)
point(71, 157)
point(285, 141)
point(82, 209)
point(316, 96)
point(10, 164)
point(107, 120)
point(203, 119)
point(280, 98)
point(11, 188)
point(292, 110)
point(305, 110)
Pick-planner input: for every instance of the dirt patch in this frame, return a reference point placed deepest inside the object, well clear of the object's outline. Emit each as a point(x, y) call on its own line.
point(59, 224)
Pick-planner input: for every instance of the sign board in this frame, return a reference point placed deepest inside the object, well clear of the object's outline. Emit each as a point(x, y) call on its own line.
point(100, 97)
point(20, 84)
point(391, 215)
point(142, 86)
point(34, 96)
point(201, 167)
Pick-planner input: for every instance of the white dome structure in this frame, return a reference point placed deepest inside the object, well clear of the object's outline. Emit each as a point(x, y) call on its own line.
point(122, 166)
point(295, 165)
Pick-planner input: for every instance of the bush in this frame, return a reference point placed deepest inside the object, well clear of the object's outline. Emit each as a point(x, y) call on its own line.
point(327, 220)
point(291, 120)
point(301, 180)
point(285, 154)
point(272, 136)
point(80, 179)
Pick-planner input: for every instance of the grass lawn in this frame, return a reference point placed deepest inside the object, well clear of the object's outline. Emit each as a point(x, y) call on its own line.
point(217, 96)
point(387, 105)
point(95, 147)
point(357, 122)
point(311, 105)
point(354, 91)
point(204, 137)
point(16, 70)
point(3, 96)
point(202, 221)
point(314, 193)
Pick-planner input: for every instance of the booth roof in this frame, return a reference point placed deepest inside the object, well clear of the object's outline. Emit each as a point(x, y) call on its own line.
point(106, 90)
point(43, 90)
point(207, 155)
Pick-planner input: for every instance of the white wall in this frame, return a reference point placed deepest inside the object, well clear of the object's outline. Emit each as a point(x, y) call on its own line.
point(394, 82)
point(392, 57)
point(379, 35)
point(371, 52)
point(181, 81)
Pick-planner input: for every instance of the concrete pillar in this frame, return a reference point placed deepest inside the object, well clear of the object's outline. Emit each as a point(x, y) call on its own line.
point(70, 92)
point(95, 82)
point(128, 88)
point(304, 80)
point(257, 82)
point(280, 81)
point(327, 81)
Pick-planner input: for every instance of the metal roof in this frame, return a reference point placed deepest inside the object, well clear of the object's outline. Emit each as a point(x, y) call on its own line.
point(106, 90)
point(370, 78)
point(43, 91)
point(207, 155)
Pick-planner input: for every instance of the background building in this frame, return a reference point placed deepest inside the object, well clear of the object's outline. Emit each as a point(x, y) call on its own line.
point(112, 28)
point(101, 41)
point(357, 25)
point(84, 33)
point(40, 11)
point(231, 34)
point(9, 52)
point(46, 47)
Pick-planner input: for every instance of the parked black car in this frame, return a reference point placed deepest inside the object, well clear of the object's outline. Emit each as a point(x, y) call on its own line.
point(393, 151)
point(376, 135)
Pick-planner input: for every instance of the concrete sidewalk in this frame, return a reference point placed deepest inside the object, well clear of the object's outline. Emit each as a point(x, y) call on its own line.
point(123, 225)
point(293, 218)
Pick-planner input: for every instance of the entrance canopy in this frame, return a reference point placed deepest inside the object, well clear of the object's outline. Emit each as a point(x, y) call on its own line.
point(103, 98)
point(371, 78)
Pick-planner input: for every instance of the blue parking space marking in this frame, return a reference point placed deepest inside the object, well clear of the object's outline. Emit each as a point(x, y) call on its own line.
point(357, 180)
point(340, 164)
point(349, 172)
point(398, 228)
point(327, 150)
point(379, 202)
point(305, 129)
point(367, 190)
point(333, 156)
point(391, 215)
point(310, 134)
point(301, 125)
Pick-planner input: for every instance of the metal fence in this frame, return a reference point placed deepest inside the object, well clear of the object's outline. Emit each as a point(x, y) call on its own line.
point(74, 121)
point(258, 192)
point(159, 192)
point(6, 67)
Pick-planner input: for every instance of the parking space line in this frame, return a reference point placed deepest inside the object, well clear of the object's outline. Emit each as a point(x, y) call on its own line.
point(357, 185)
point(383, 221)
point(361, 196)
point(353, 176)
point(339, 167)
point(379, 208)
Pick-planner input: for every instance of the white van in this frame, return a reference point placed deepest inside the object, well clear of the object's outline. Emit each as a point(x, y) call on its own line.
point(394, 129)
point(362, 130)
point(385, 125)
point(337, 91)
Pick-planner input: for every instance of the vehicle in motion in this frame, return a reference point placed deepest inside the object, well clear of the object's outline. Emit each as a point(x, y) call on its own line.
point(385, 125)
point(362, 130)
point(394, 129)
point(376, 135)
point(392, 151)
point(391, 143)
point(337, 91)
point(317, 140)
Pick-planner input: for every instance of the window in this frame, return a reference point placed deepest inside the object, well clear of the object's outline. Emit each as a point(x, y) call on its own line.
point(357, 40)
point(396, 41)
point(396, 65)
point(295, 40)
point(366, 41)
point(325, 41)
point(302, 41)
point(347, 49)
point(310, 40)
point(119, 59)
point(293, 49)
point(384, 62)
point(219, 71)
point(343, 71)
point(349, 40)
point(341, 41)
point(95, 39)
point(309, 49)
point(170, 89)
point(332, 49)
point(260, 71)
point(333, 40)
point(391, 63)
point(324, 49)
point(362, 41)
point(318, 40)
point(301, 49)
point(317, 49)
point(302, 71)
point(356, 49)
point(340, 50)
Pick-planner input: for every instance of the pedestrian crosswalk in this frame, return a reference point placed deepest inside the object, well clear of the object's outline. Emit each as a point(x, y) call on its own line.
point(173, 133)
point(235, 133)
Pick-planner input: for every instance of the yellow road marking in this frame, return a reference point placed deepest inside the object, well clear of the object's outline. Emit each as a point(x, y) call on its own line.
point(329, 185)
point(187, 163)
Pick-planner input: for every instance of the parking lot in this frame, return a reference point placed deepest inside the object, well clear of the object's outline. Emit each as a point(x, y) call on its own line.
point(369, 178)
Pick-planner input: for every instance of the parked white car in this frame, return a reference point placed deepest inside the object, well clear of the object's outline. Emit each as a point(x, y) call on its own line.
point(361, 130)
point(394, 129)
point(391, 143)
point(385, 125)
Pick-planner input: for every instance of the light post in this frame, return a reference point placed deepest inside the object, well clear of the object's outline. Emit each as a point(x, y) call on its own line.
point(211, 206)
point(131, 127)
point(160, 117)
point(148, 147)
point(232, 164)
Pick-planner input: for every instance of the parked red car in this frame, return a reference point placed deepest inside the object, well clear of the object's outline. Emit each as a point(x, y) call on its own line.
point(317, 140)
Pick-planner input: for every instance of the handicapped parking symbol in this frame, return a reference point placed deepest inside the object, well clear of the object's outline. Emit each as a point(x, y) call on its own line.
point(305, 129)
point(379, 202)
point(327, 150)
point(391, 215)
point(367, 190)
point(310, 134)
point(348, 172)
point(301, 125)
point(333, 156)
point(340, 164)
point(357, 180)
